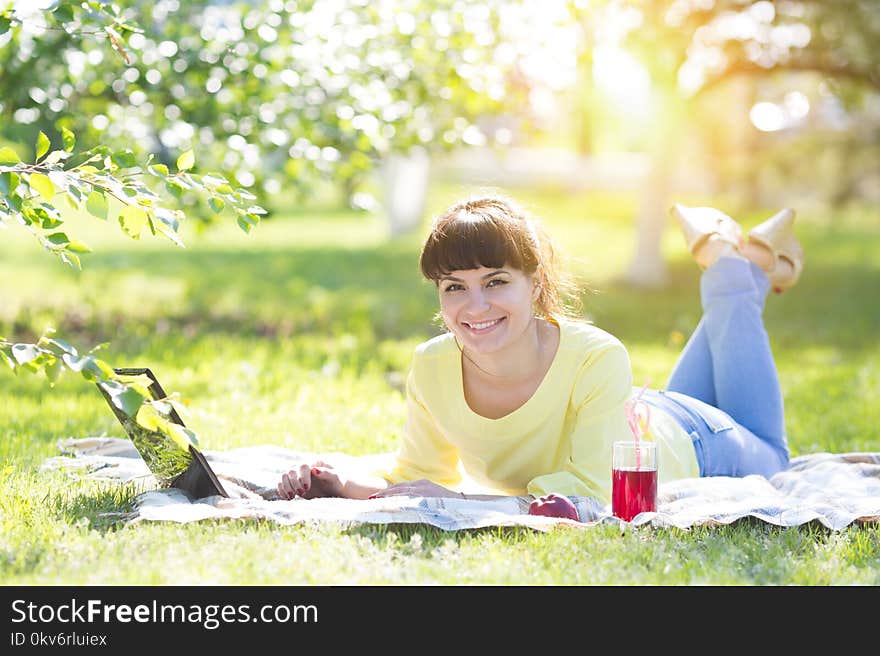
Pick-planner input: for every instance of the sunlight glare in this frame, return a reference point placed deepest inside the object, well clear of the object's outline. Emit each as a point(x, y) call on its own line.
point(622, 78)
point(767, 117)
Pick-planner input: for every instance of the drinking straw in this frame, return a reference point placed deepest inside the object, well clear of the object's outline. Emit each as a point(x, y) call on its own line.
point(638, 421)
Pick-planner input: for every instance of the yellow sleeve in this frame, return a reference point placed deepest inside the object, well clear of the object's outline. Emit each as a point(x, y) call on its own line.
point(603, 387)
point(423, 452)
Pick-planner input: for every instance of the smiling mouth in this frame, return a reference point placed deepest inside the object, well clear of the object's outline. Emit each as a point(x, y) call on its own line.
point(482, 326)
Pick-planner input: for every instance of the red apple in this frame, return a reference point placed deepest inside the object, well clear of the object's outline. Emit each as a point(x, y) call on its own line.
point(554, 505)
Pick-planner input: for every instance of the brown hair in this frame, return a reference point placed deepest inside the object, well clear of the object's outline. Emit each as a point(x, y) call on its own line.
point(494, 232)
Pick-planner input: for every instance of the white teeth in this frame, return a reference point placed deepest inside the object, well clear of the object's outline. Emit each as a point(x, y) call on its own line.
point(483, 325)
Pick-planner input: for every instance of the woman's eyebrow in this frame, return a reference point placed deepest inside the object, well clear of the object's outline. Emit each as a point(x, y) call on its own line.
point(488, 275)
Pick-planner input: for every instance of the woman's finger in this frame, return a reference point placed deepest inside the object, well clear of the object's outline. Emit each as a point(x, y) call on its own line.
point(395, 490)
point(305, 479)
point(290, 481)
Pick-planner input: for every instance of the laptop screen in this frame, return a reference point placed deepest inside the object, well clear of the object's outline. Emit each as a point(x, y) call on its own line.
point(162, 439)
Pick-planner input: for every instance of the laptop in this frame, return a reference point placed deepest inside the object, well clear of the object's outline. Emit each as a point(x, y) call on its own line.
point(175, 463)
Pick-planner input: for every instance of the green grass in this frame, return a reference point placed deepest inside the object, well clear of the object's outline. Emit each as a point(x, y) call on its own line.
point(295, 336)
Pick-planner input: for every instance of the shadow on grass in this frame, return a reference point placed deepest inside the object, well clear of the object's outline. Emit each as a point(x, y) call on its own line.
point(833, 305)
point(99, 507)
point(432, 536)
point(376, 292)
point(379, 294)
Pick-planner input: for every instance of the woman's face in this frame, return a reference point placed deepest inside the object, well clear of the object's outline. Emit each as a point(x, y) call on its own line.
point(487, 309)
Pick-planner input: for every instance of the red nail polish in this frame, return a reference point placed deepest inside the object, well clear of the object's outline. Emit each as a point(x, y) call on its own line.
point(373, 496)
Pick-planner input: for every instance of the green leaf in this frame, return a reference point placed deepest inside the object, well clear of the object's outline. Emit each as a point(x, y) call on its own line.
point(97, 204)
point(132, 219)
point(129, 401)
point(6, 356)
point(61, 344)
point(70, 258)
point(76, 362)
point(58, 238)
point(5, 24)
point(54, 157)
point(75, 193)
point(43, 144)
point(9, 156)
point(186, 161)
point(158, 169)
point(8, 182)
point(217, 204)
point(247, 222)
point(24, 353)
point(77, 246)
point(97, 369)
point(182, 435)
point(50, 222)
point(124, 159)
point(69, 139)
point(174, 188)
point(126, 397)
point(63, 13)
point(43, 185)
point(53, 370)
point(148, 417)
point(15, 202)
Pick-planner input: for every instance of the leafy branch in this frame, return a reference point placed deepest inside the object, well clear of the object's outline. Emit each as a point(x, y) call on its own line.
point(110, 185)
point(129, 394)
point(74, 17)
point(90, 179)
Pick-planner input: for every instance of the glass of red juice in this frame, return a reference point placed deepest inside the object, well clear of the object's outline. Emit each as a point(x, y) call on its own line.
point(633, 478)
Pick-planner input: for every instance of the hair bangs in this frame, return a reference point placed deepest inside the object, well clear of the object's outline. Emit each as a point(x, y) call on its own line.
point(469, 241)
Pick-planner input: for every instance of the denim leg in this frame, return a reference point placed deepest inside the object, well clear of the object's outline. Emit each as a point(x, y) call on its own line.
point(746, 383)
point(693, 373)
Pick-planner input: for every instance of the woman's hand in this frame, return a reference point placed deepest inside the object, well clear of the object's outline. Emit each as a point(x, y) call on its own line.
point(321, 479)
point(420, 488)
point(311, 481)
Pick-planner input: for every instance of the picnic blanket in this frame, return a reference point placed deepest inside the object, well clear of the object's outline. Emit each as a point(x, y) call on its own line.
point(834, 489)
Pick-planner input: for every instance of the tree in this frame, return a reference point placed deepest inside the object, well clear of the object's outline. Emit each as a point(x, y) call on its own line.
point(108, 184)
point(280, 95)
point(692, 50)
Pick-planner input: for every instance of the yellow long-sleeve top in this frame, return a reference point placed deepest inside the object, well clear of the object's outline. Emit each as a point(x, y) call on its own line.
point(557, 441)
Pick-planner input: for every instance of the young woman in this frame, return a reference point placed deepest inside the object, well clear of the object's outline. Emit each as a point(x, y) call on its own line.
point(525, 398)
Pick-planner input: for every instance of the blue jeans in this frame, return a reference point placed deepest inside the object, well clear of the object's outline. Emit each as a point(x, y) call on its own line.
point(724, 389)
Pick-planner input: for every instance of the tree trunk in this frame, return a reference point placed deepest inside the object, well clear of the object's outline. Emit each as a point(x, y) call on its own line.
point(405, 186)
point(648, 268)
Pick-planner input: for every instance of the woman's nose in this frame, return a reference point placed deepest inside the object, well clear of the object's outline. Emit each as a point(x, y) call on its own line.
point(477, 301)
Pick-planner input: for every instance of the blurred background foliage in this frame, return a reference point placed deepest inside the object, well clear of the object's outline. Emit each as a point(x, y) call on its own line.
point(763, 102)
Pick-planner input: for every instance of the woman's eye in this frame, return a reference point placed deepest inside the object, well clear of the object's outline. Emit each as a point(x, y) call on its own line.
point(454, 287)
point(496, 280)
